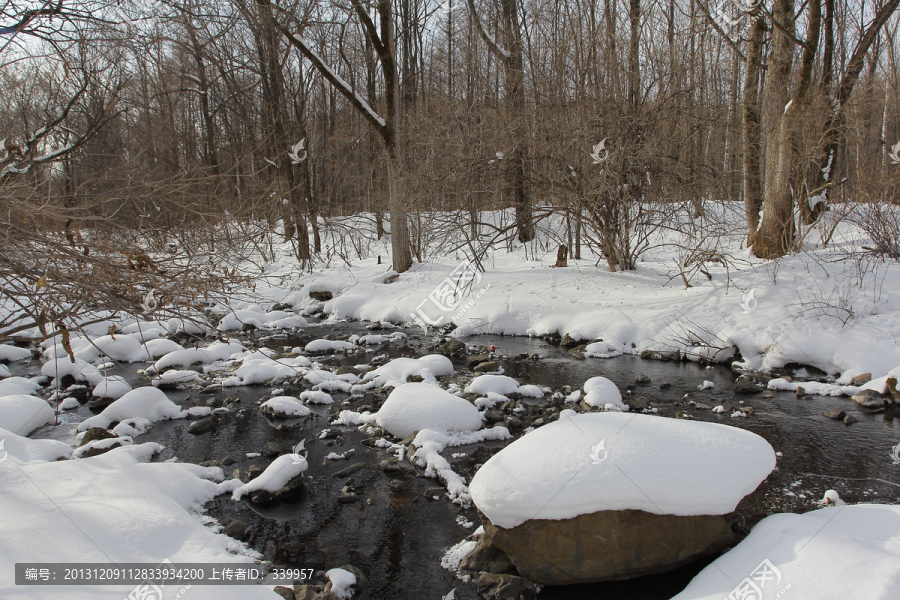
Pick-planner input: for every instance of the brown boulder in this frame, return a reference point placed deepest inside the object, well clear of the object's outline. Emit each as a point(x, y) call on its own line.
point(608, 545)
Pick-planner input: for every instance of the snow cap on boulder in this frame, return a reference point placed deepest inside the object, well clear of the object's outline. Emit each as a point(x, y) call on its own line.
point(592, 462)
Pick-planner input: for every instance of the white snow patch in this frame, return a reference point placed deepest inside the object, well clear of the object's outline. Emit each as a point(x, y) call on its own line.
point(283, 469)
point(22, 414)
point(145, 402)
point(415, 406)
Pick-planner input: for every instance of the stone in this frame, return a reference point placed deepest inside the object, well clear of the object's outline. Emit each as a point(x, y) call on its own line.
point(433, 492)
point(254, 471)
point(641, 378)
point(487, 558)
point(390, 465)
point(96, 433)
point(850, 420)
point(320, 295)
point(348, 498)
point(305, 591)
point(800, 391)
point(665, 385)
point(261, 497)
point(209, 463)
point(568, 341)
point(487, 367)
point(743, 385)
point(272, 449)
point(837, 415)
point(492, 586)
point(869, 399)
point(228, 461)
point(212, 389)
point(345, 370)
point(98, 451)
point(891, 384)
point(476, 360)
point(347, 471)
point(284, 592)
point(861, 379)
point(514, 423)
point(238, 530)
point(98, 404)
point(659, 355)
point(492, 417)
point(398, 485)
point(454, 347)
point(608, 545)
point(639, 403)
point(202, 426)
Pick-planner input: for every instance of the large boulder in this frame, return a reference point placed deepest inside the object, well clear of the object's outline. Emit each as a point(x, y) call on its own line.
point(608, 495)
point(608, 545)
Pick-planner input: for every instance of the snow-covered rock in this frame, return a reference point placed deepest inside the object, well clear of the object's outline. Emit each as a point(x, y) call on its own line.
point(22, 414)
point(316, 397)
point(18, 385)
point(282, 470)
point(602, 350)
point(10, 353)
point(412, 407)
point(78, 369)
point(187, 357)
point(845, 552)
point(396, 372)
point(499, 384)
point(341, 582)
point(28, 451)
point(285, 407)
point(235, 320)
point(603, 393)
point(145, 402)
point(113, 387)
point(260, 367)
point(319, 346)
point(161, 347)
point(175, 377)
point(593, 462)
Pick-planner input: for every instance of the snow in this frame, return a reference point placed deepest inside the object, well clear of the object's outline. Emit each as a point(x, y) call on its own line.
point(654, 464)
point(499, 384)
point(197, 356)
point(601, 350)
point(145, 402)
point(316, 397)
point(814, 387)
point(235, 320)
point(10, 353)
point(283, 469)
point(22, 414)
point(341, 582)
point(339, 81)
point(349, 417)
point(455, 554)
point(161, 347)
point(28, 451)
point(102, 444)
point(4, 371)
point(601, 392)
point(411, 407)
point(79, 369)
point(18, 385)
point(113, 387)
point(431, 443)
point(319, 346)
point(285, 406)
point(121, 348)
point(396, 372)
point(175, 377)
point(113, 507)
point(260, 367)
point(838, 552)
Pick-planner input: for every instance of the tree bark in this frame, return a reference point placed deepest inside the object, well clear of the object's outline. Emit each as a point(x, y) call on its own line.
point(750, 120)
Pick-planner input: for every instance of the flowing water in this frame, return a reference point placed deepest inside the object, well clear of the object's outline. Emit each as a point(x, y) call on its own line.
point(397, 536)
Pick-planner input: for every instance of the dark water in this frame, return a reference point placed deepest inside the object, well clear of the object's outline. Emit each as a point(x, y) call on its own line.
point(397, 536)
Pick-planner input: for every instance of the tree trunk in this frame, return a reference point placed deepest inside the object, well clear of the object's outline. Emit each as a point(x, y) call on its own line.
point(750, 118)
point(776, 233)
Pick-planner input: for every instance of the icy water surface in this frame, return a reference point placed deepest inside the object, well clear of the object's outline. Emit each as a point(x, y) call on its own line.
point(397, 535)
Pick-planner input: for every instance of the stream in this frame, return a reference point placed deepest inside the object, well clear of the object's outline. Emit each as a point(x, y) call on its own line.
point(397, 536)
